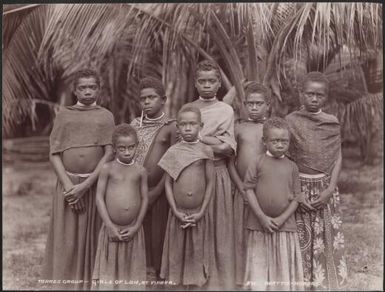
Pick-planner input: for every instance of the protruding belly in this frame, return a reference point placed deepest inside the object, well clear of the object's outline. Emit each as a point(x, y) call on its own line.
point(189, 189)
point(82, 159)
point(123, 206)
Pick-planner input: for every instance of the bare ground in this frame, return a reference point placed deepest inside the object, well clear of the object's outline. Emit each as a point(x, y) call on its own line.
point(27, 191)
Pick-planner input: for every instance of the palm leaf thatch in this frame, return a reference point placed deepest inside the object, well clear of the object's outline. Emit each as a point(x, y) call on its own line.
point(271, 42)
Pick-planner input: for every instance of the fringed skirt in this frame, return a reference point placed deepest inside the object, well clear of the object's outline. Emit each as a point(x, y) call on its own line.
point(321, 237)
point(186, 255)
point(120, 265)
point(273, 261)
point(72, 240)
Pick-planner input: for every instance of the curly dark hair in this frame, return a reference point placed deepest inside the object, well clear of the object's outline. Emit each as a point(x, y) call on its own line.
point(86, 73)
point(152, 82)
point(255, 87)
point(315, 76)
point(190, 108)
point(123, 130)
point(207, 65)
point(274, 123)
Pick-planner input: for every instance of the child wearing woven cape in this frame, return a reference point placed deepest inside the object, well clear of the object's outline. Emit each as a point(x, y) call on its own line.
point(189, 186)
point(80, 143)
point(316, 149)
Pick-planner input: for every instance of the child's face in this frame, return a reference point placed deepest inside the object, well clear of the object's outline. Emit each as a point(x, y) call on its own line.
point(277, 141)
point(152, 103)
point(207, 83)
point(189, 126)
point(256, 106)
point(125, 148)
point(314, 96)
point(86, 90)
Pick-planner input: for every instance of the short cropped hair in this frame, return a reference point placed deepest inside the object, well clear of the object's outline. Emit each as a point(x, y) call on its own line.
point(207, 65)
point(315, 76)
point(255, 87)
point(187, 108)
point(152, 82)
point(274, 123)
point(86, 73)
point(123, 130)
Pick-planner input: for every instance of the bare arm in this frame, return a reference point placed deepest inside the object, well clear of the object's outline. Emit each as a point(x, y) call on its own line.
point(78, 190)
point(156, 191)
point(77, 206)
point(218, 147)
point(144, 194)
point(328, 192)
point(209, 173)
point(171, 199)
point(113, 230)
point(235, 176)
point(60, 171)
point(128, 232)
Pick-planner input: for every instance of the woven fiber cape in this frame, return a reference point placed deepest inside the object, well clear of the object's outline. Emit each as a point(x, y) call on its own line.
point(315, 140)
point(181, 155)
point(81, 127)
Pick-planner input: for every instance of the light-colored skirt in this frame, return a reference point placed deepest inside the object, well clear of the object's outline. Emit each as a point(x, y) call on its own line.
point(120, 265)
point(273, 261)
point(186, 255)
point(321, 237)
point(72, 240)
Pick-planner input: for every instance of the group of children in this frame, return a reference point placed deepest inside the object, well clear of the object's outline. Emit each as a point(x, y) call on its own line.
point(241, 213)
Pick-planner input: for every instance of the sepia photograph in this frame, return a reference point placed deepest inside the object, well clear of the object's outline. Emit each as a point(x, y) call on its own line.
point(193, 146)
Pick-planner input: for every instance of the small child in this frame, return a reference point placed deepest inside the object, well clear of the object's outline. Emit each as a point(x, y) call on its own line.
point(189, 186)
point(122, 200)
point(248, 134)
point(273, 255)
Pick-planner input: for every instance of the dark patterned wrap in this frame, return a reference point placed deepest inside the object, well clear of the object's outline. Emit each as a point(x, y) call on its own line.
point(315, 140)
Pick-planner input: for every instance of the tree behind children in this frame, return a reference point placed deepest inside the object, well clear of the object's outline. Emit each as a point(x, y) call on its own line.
point(273, 256)
point(122, 201)
point(189, 186)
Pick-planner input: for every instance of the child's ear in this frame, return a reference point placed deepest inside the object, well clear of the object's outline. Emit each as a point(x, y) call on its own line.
point(164, 99)
point(264, 140)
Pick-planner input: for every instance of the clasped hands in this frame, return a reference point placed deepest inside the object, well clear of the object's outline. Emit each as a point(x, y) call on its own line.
point(116, 233)
point(317, 204)
point(188, 220)
point(74, 196)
